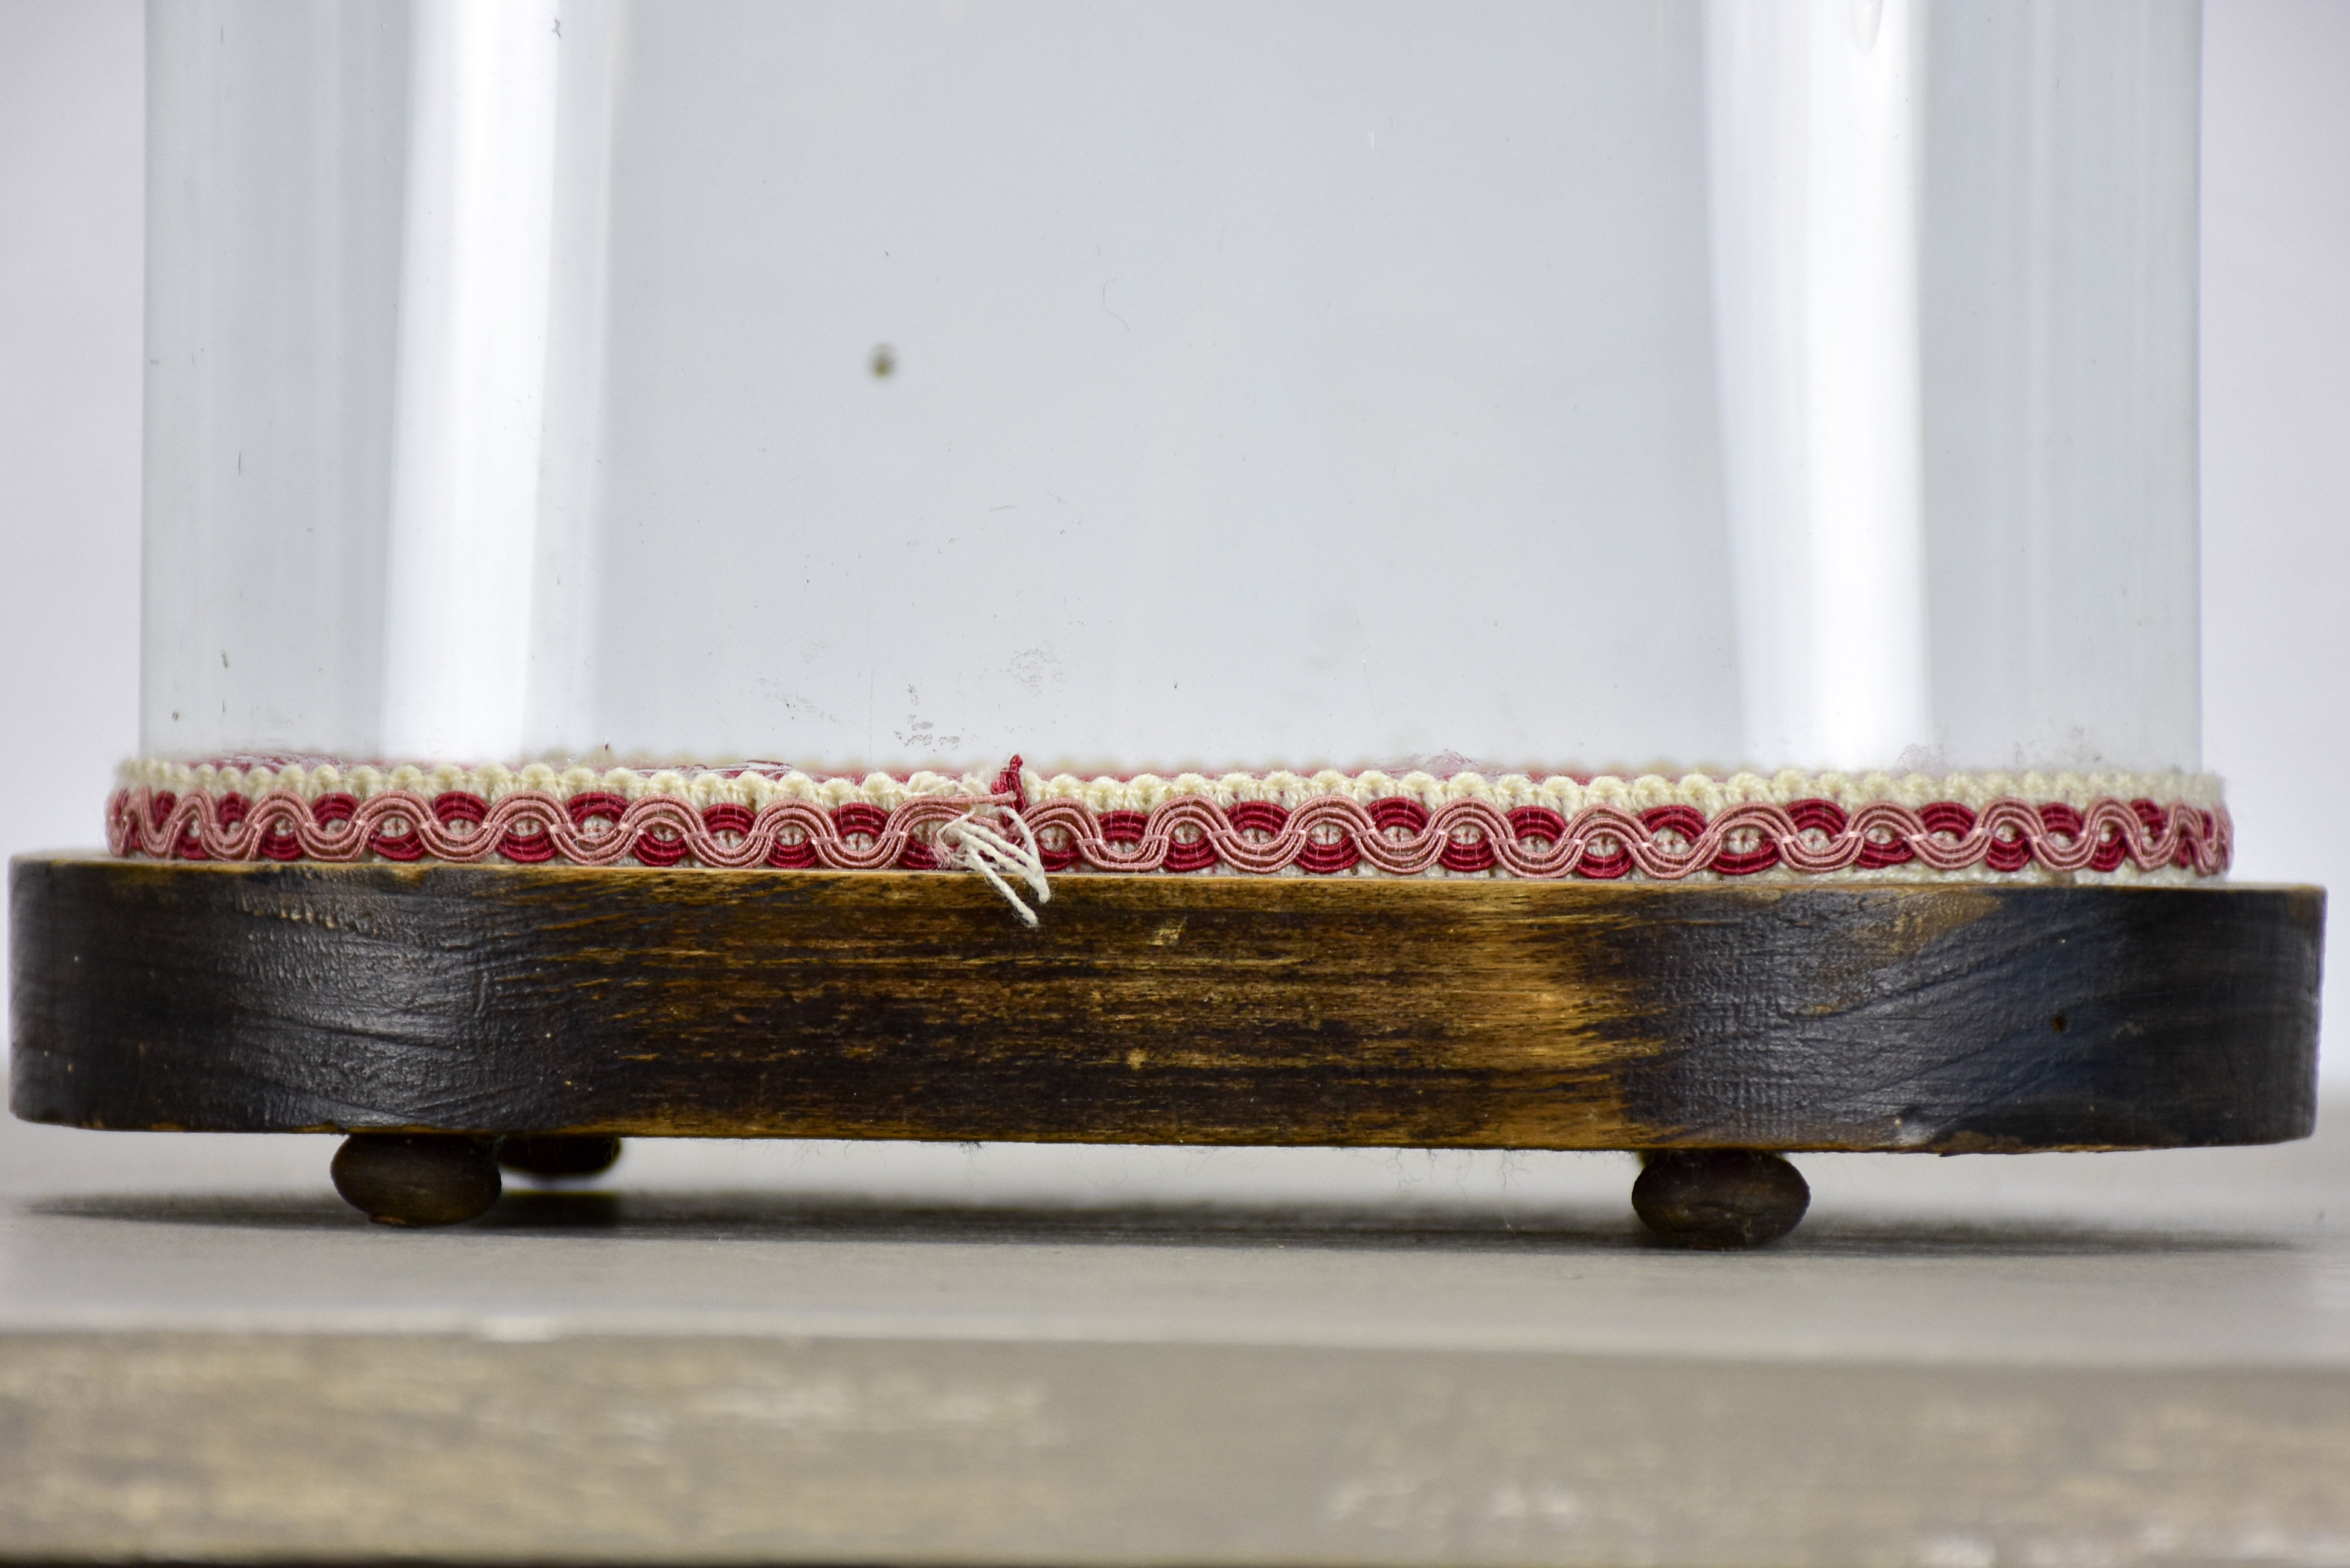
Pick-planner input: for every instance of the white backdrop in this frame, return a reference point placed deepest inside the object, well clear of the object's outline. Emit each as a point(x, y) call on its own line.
point(2276, 423)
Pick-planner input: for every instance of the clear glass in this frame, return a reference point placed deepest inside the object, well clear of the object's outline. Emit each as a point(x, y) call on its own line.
point(1574, 386)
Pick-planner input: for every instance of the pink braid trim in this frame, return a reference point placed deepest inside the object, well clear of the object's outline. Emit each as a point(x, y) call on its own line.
point(1396, 837)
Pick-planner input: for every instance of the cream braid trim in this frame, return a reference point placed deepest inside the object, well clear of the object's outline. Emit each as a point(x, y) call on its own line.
point(1789, 825)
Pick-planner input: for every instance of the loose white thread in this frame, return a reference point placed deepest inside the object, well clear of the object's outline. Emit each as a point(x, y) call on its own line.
point(969, 843)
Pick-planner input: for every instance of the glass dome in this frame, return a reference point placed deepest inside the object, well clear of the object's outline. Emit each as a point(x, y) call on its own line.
point(1591, 387)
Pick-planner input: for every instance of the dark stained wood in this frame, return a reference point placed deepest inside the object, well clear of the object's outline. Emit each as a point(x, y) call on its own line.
point(1720, 1199)
point(405, 1179)
point(559, 1157)
point(1477, 1013)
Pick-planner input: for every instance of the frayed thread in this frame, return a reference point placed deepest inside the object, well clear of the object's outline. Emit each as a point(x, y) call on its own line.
point(969, 841)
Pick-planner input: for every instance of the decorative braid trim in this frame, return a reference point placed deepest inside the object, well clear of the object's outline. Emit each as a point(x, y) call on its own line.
point(2030, 827)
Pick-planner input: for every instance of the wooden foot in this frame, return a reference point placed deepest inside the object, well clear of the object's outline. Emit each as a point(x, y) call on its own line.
point(402, 1179)
point(1719, 1198)
point(558, 1156)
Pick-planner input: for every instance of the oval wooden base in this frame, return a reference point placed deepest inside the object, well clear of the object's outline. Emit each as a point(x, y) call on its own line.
point(507, 1000)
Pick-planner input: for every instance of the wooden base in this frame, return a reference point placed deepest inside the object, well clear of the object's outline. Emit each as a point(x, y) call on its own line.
point(496, 1001)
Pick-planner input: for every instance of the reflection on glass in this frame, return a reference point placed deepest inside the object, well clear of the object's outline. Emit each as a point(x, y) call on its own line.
point(1598, 385)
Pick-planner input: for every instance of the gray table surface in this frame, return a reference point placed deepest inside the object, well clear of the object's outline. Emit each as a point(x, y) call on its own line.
point(826, 1352)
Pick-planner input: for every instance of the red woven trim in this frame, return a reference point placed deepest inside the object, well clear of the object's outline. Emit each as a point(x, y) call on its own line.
point(1397, 836)
point(528, 825)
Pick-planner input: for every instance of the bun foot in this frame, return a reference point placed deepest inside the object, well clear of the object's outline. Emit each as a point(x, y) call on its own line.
point(409, 1178)
point(1719, 1198)
point(558, 1156)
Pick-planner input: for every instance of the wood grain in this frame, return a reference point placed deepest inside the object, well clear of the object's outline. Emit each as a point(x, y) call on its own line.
point(1470, 1014)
